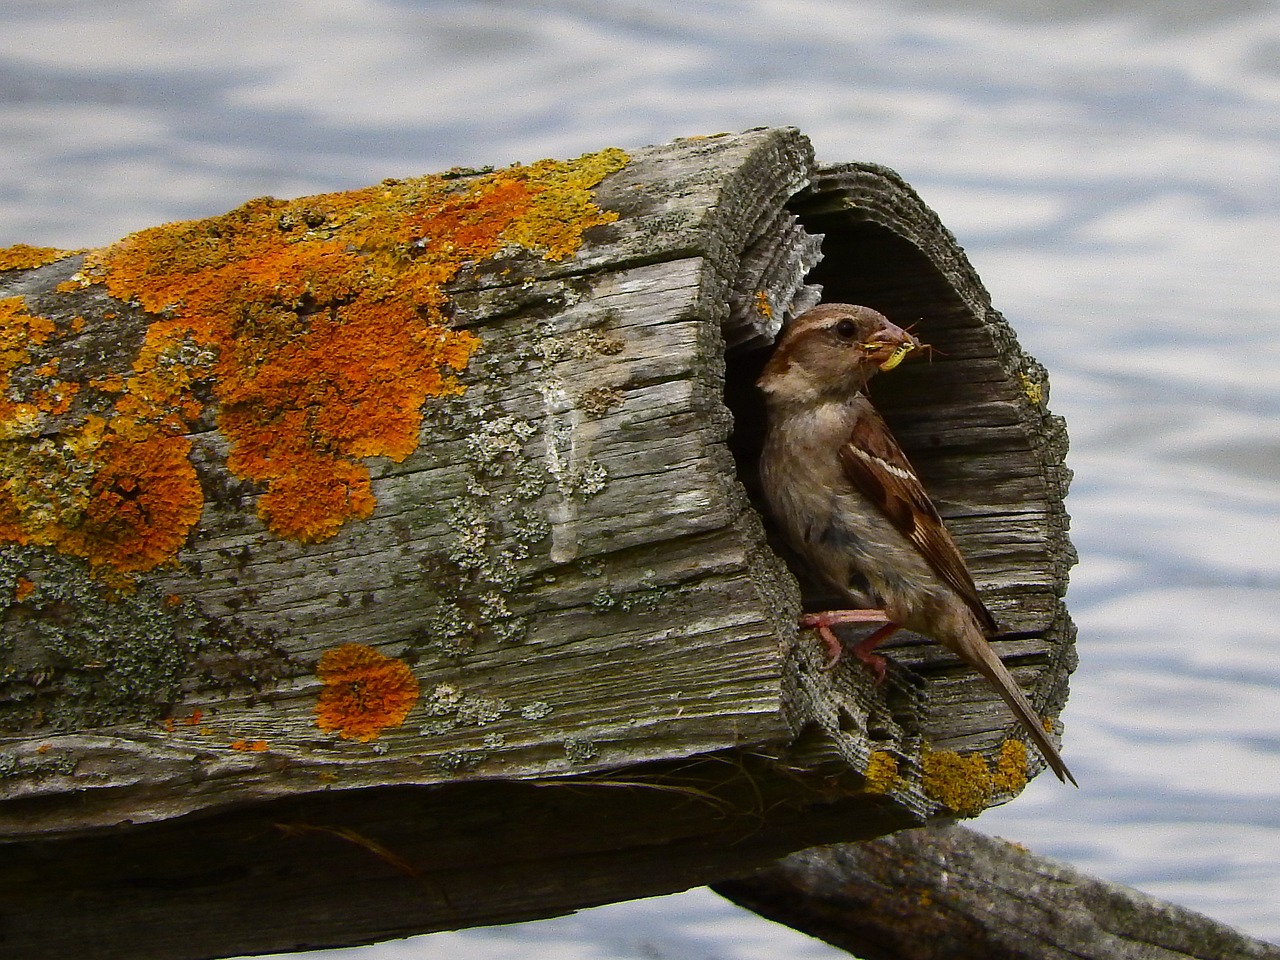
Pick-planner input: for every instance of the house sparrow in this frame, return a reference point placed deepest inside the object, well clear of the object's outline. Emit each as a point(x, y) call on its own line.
point(847, 500)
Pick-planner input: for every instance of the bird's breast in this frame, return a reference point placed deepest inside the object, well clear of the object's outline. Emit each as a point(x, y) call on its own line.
point(843, 537)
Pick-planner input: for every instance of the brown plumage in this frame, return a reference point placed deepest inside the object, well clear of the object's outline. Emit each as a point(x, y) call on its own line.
point(849, 502)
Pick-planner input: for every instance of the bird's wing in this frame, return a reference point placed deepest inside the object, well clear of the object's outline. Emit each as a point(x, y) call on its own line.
point(876, 465)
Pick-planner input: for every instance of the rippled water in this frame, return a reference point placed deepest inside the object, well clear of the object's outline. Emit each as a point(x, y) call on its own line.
point(1112, 169)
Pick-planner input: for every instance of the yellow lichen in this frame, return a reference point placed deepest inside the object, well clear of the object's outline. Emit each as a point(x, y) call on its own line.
point(1034, 389)
point(1010, 774)
point(882, 772)
point(20, 256)
point(961, 782)
point(364, 692)
point(318, 325)
point(967, 784)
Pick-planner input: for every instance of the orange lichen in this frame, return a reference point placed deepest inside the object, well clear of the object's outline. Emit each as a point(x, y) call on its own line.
point(19, 332)
point(326, 316)
point(126, 506)
point(318, 325)
point(364, 692)
point(136, 519)
point(120, 497)
point(251, 746)
point(112, 383)
point(23, 589)
point(20, 256)
point(57, 398)
point(763, 306)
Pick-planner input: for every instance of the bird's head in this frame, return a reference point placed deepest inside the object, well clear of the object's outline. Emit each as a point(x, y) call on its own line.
point(832, 351)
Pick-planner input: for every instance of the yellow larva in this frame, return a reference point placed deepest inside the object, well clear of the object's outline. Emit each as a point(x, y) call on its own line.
point(895, 358)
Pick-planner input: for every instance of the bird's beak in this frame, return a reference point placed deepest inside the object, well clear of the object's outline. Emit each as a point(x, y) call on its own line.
point(890, 353)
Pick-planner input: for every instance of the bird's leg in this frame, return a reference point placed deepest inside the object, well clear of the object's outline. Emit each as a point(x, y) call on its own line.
point(823, 622)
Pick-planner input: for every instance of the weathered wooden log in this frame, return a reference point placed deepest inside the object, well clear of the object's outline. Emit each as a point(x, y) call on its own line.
point(947, 893)
point(382, 562)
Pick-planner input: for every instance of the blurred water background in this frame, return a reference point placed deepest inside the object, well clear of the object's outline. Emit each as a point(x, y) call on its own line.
point(1112, 168)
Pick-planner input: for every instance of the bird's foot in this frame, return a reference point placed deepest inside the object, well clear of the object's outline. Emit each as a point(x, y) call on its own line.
point(864, 650)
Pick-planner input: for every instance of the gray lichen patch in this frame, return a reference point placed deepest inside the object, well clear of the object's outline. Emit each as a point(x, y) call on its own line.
point(645, 598)
point(566, 408)
point(73, 658)
point(578, 750)
point(450, 707)
point(535, 710)
point(578, 345)
point(520, 471)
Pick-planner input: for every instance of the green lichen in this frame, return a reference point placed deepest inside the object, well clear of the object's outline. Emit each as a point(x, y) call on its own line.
point(494, 525)
point(37, 765)
point(641, 601)
point(75, 655)
point(479, 711)
point(579, 345)
point(645, 598)
point(74, 658)
point(523, 477)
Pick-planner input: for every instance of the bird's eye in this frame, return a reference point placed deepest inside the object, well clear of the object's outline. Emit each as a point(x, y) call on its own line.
point(846, 330)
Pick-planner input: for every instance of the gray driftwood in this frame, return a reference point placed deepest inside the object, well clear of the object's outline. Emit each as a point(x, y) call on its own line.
point(948, 893)
point(614, 698)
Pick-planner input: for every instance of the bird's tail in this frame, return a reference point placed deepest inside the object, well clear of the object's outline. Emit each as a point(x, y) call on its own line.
point(975, 650)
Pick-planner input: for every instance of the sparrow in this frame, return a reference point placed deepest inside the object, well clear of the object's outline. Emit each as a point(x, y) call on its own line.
point(850, 504)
